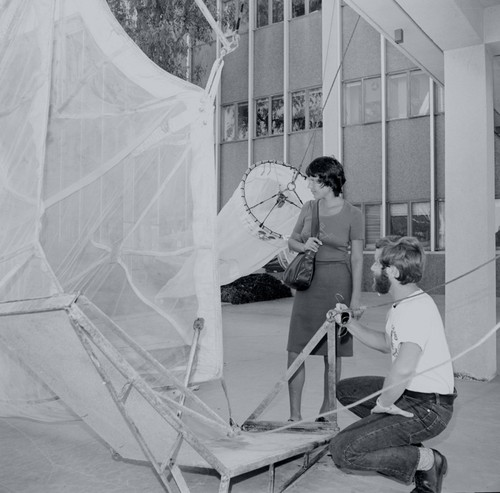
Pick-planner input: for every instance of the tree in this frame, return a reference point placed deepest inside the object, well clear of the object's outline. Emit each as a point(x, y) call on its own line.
point(161, 27)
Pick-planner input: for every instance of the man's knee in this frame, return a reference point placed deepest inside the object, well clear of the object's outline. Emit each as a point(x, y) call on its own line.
point(344, 390)
point(339, 450)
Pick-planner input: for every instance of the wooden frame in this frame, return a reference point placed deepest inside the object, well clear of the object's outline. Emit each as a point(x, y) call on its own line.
point(56, 338)
point(328, 329)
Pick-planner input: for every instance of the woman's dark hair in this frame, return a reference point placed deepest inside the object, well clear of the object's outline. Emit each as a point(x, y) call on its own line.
point(329, 172)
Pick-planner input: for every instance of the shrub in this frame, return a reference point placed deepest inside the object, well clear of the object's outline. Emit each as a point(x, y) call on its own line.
point(255, 287)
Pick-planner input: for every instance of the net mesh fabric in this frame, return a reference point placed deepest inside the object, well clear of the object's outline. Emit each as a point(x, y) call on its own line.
point(255, 223)
point(107, 188)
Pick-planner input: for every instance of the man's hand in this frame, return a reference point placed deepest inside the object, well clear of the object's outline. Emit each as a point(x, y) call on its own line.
point(392, 409)
point(342, 312)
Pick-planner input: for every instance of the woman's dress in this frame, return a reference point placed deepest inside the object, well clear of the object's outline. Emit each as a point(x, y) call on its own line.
point(332, 281)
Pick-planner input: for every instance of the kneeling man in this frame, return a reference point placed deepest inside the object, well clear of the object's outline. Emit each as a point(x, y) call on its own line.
point(417, 396)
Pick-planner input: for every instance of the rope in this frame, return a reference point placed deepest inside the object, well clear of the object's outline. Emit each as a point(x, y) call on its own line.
point(437, 286)
point(481, 341)
point(375, 394)
point(331, 86)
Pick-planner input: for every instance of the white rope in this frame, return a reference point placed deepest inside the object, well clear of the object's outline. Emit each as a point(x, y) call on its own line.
point(375, 394)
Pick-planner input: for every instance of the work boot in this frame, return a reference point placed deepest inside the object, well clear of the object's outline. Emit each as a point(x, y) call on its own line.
point(430, 481)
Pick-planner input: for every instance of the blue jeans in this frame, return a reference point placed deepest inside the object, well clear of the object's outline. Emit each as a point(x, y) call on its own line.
point(385, 443)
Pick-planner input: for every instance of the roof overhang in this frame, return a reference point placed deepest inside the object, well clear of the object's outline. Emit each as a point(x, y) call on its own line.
point(431, 27)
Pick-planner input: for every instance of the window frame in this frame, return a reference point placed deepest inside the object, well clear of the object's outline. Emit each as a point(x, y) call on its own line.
point(409, 220)
point(236, 121)
point(362, 103)
point(270, 132)
point(270, 13)
point(410, 93)
point(407, 86)
point(307, 109)
point(307, 8)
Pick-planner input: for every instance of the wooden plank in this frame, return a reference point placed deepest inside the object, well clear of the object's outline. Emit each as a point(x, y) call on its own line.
point(51, 337)
point(332, 372)
point(87, 305)
point(308, 463)
point(250, 451)
point(35, 305)
point(304, 426)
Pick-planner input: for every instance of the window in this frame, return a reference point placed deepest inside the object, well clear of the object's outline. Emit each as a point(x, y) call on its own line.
point(418, 224)
point(314, 5)
point(307, 109)
point(298, 111)
point(397, 96)
point(372, 225)
point(372, 100)
point(231, 12)
point(316, 108)
point(277, 6)
point(262, 13)
point(303, 7)
point(242, 121)
point(363, 101)
point(352, 105)
point(261, 117)
point(398, 221)
point(269, 12)
point(419, 93)
point(421, 222)
point(228, 130)
point(234, 122)
point(269, 116)
point(277, 121)
point(298, 8)
point(440, 244)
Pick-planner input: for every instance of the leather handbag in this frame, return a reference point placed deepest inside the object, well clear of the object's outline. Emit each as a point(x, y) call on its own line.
point(299, 273)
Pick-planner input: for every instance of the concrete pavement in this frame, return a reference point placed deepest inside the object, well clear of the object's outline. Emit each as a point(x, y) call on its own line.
point(67, 457)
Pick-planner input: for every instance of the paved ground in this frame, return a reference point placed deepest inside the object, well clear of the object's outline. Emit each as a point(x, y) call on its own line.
point(68, 458)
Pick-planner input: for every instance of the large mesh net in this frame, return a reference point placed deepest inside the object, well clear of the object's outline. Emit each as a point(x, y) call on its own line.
point(255, 223)
point(107, 188)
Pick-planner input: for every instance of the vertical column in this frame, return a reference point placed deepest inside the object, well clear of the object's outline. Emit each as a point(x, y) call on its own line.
point(251, 106)
point(286, 81)
point(383, 126)
point(469, 212)
point(432, 159)
point(332, 56)
point(218, 122)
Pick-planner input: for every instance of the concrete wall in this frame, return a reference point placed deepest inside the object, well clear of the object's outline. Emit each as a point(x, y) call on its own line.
point(408, 159)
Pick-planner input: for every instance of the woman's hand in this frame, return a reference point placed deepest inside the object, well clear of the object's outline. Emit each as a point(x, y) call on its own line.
point(312, 244)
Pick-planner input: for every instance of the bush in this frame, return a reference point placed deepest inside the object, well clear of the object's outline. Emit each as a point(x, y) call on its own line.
point(255, 287)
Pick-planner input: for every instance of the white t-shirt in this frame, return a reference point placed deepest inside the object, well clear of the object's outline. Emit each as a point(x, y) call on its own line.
point(417, 319)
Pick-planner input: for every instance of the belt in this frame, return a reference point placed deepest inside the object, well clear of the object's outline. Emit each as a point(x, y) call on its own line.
point(432, 397)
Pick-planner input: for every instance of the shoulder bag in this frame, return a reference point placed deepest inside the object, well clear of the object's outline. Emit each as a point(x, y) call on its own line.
point(299, 273)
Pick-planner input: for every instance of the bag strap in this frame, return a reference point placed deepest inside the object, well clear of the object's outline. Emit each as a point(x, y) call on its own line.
point(315, 220)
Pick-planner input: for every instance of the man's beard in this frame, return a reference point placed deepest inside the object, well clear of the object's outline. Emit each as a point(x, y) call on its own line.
point(381, 283)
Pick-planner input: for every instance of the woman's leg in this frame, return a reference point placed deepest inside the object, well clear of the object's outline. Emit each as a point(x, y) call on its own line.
point(295, 387)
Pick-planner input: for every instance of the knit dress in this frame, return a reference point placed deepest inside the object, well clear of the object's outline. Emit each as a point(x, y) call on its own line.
point(332, 281)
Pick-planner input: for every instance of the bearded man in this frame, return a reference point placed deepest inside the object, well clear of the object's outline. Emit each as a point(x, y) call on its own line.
point(416, 399)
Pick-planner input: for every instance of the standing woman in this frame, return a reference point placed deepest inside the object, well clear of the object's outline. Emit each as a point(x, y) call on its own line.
point(337, 273)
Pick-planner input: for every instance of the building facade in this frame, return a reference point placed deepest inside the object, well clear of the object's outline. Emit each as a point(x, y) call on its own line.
point(390, 130)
